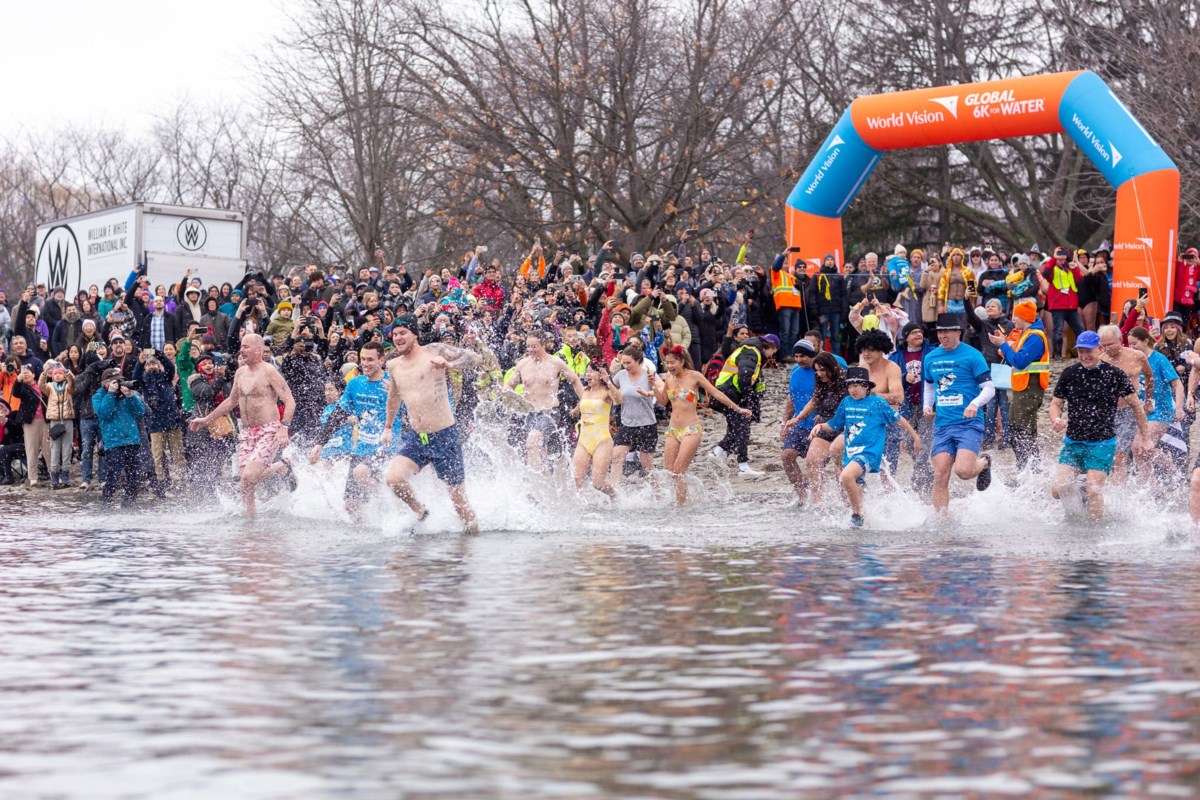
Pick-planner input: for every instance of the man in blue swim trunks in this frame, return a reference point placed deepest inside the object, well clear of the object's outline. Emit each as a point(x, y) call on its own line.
point(417, 380)
point(1091, 391)
point(958, 382)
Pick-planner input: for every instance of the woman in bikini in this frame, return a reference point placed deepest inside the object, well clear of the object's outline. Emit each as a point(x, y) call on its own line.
point(595, 435)
point(682, 389)
point(828, 391)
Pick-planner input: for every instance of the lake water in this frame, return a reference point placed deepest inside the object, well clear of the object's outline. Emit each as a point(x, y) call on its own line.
point(736, 650)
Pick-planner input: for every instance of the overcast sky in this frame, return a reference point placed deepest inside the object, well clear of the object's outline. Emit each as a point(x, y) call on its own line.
point(118, 63)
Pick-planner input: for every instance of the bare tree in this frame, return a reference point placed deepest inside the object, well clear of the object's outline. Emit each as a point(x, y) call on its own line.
point(594, 119)
point(354, 144)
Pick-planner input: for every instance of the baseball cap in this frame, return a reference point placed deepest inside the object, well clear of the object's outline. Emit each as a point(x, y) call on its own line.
point(112, 373)
point(772, 340)
point(1088, 340)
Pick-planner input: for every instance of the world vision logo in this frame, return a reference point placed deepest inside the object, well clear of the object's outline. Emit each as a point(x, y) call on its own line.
point(948, 103)
point(59, 264)
point(191, 234)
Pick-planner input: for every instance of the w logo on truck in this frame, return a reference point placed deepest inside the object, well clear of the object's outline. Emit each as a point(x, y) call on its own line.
point(58, 260)
point(191, 234)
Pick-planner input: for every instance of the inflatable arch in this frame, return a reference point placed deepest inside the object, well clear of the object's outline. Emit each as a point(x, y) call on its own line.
point(1077, 103)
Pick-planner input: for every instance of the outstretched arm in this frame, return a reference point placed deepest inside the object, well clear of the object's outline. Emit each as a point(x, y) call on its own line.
point(227, 405)
point(723, 398)
point(570, 375)
point(455, 357)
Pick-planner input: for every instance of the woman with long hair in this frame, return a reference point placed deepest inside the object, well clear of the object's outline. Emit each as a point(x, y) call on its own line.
point(595, 446)
point(681, 390)
point(828, 390)
point(638, 430)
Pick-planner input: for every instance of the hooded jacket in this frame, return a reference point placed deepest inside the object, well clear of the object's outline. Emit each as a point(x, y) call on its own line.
point(118, 417)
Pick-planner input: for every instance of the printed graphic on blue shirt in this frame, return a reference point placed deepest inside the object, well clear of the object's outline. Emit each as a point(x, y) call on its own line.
point(955, 375)
point(865, 423)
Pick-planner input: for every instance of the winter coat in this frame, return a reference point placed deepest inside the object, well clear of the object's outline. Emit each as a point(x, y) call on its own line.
point(118, 417)
point(171, 331)
point(713, 319)
point(929, 299)
point(690, 313)
point(827, 293)
point(159, 394)
point(65, 334)
point(985, 326)
point(681, 332)
point(306, 375)
point(60, 404)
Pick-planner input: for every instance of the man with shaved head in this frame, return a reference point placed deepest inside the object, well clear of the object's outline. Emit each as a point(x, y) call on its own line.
point(257, 391)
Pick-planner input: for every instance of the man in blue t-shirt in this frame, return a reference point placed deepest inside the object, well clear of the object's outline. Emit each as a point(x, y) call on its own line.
point(958, 381)
point(364, 404)
point(865, 419)
point(801, 382)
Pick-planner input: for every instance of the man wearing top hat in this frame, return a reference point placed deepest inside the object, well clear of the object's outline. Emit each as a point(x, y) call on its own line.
point(958, 383)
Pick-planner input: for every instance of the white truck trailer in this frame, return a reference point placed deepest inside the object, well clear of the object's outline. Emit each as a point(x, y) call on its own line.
point(76, 252)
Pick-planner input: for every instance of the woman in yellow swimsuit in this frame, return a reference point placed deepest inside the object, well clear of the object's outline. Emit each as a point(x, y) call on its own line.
point(595, 438)
point(682, 390)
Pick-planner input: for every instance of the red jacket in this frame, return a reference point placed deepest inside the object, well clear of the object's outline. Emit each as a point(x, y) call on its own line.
point(490, 294)
point(1185, 278)
point(1062, 299)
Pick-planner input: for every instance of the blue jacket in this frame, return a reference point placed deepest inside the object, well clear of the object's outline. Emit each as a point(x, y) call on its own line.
point(118, 417)
point(1031, 352)
point(897, 358)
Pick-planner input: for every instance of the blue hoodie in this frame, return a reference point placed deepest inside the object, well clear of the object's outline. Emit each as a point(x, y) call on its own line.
point(118, 417)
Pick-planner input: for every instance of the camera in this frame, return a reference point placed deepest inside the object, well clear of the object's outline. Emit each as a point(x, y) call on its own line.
point(132, 386)
point(10, 368)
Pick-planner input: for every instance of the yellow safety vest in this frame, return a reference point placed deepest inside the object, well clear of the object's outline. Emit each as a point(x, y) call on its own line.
point(783, 289)
point(578, 362)
point(1041, 367)
point(729, 370)
point(1064, 279)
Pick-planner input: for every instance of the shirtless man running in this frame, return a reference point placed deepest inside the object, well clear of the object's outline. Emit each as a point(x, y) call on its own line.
point(1133, 364)
point(873, 349)
point(258, 388)
point(417, 376)
point(539, 372)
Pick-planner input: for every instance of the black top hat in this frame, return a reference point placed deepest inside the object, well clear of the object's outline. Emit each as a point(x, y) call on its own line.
point(859, 375)
point(949, 322)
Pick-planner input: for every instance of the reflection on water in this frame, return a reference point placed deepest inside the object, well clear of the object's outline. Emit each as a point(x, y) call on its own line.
point(745, 655)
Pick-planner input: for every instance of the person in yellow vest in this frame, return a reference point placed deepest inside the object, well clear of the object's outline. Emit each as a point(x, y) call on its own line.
point(1062, 296)
point(741, 381)
point(1027, 351)
point(786, 294)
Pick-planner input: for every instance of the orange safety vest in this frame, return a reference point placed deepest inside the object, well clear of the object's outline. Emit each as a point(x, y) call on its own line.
point(1020, 377)
point(783, 289)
